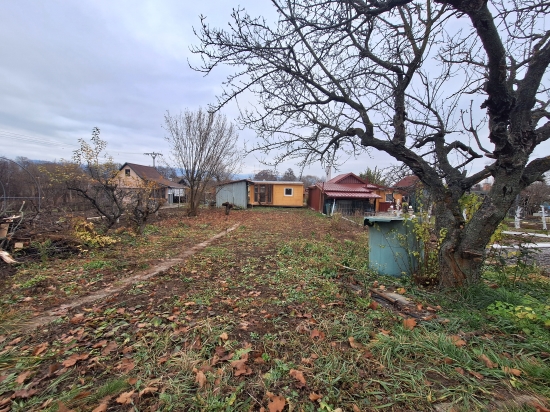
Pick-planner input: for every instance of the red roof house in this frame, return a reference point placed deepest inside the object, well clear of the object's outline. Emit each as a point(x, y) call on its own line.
point(346, 193)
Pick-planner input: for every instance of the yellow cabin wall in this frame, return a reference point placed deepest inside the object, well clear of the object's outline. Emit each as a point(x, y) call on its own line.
point(398, 196)
point(382, 193)
point(279, 198)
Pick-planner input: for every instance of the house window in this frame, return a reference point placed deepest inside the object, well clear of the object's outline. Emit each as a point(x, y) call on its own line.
point(263, 193)
point(389, 197)
point(127, 172)
point(288, 191)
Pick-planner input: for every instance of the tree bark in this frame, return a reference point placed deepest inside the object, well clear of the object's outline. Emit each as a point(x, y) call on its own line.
point(464, 247)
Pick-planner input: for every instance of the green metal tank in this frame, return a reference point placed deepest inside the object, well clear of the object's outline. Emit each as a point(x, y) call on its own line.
point(391, 245)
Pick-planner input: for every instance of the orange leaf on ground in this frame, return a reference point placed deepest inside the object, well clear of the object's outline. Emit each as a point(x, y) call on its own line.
point(241, 368)
point(148, 389)
point(78, 318)
point(476, 374)
point(409, 324)
point(62, 408)
point(316, 333)
point(373, 305)
point(200, 378)
point(15, 341)
point(276, 403)
point(354, 344)
point(459, 370)
point(101, 408)
point(314, 396)
point(307, 361)
point(40, 348)
point(82, 395)
point(74, 358)
point(111, 346)
point(24, 393)
point(299, 376)
point(132, 381)
point(126, 365)
point(224, 336)
point(539, 408)
point(490, 364)
point(125, 397)
point(100, 344)
point(401, 291)
point(458, 341)
point(511, 371)
point(23, 377)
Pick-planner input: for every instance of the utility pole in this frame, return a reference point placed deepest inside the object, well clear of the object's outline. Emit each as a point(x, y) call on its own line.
point(153, 155)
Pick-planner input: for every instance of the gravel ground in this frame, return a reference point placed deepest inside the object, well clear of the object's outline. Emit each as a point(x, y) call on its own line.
point(542, 258)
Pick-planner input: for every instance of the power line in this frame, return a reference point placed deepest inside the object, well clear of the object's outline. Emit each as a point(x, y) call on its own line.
point(32, 139)
point(46, 142)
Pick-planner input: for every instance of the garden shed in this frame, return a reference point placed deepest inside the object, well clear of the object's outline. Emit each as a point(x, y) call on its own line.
point(276, 193)
point(244, 193)
point(235, 192)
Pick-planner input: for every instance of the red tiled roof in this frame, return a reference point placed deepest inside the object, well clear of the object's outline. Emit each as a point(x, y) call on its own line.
point(348, 178)
point(351, 195)
point(349, 190)
point(408, 181)
point(353, 179)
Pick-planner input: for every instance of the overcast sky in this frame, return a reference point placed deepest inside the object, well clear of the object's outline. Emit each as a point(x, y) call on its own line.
point(68, 66)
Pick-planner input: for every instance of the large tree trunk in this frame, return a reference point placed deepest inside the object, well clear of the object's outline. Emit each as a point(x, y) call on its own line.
point(193, 202)
point(463, 249)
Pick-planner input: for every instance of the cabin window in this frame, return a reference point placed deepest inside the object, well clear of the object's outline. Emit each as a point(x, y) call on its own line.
point(389, 197)
point(288, 191)
point(127, 172)
point(263, 194)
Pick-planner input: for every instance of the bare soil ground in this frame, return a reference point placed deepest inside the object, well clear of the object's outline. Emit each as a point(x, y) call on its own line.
point(276, 314)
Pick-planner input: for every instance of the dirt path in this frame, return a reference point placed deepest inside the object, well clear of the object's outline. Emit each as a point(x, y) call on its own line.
point(56, 313)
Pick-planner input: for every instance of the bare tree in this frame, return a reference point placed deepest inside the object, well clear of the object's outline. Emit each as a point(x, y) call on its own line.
point(266, 174)
point(310, 180)
point(93, 176)
point(289, 176)
point(97, 185)
point(533, 196)
point(141, 202)
point(203, 148)
point(398, 76)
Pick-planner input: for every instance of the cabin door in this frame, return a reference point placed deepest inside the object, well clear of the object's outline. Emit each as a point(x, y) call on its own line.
point(263, 194)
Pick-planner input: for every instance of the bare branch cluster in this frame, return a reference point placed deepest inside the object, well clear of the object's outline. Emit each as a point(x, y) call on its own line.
point(333, 78)
point(204, 149)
